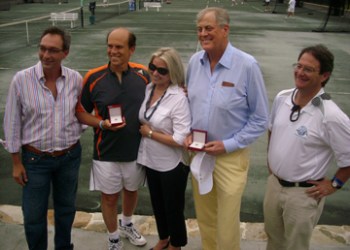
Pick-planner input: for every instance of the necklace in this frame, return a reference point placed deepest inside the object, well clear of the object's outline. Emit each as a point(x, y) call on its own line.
point(148, 104)
point(296, 108)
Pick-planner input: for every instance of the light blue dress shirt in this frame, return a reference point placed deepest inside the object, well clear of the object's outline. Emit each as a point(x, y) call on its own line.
point(230, 103)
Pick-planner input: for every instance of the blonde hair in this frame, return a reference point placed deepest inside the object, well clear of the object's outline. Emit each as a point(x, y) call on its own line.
point(173, 61)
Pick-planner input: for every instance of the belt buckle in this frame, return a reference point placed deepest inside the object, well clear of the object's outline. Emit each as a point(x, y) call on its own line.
point(54, 154)
point(51, 154)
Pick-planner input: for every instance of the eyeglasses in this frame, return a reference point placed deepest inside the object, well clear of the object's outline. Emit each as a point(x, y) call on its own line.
point(162, 71)
point(305, 69)
point(43, 49)
point(205, 29)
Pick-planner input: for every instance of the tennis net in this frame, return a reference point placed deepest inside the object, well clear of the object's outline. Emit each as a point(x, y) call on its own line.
point(106, 9)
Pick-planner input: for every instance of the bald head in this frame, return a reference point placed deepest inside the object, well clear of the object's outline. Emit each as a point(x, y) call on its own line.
point(123, 33)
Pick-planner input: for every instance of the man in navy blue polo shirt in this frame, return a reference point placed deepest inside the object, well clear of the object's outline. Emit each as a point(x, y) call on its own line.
point(119, 83)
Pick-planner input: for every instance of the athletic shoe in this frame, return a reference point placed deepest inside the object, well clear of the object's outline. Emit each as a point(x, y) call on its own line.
point(130, 232)
point(115, 244)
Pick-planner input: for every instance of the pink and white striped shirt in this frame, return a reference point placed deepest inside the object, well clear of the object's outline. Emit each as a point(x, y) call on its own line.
point(33, 116)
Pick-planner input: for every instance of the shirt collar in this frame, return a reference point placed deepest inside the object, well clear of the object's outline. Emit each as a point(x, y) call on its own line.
point(171, 90)
point(40, 72)
point(309, 106)
point(174, 89)
point(225, 60)
point(123, 73)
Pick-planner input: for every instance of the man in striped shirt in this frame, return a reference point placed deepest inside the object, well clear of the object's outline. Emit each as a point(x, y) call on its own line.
point(42, 135)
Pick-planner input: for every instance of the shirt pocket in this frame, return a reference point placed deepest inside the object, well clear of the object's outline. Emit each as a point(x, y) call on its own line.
point(230, 97)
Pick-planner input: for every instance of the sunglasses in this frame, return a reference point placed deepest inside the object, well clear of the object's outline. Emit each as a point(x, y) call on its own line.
point(162, 71)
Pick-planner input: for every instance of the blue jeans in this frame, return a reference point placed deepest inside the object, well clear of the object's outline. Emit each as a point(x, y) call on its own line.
point(43, 172)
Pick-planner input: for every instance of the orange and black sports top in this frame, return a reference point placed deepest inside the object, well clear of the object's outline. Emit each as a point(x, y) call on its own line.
point(101, 89)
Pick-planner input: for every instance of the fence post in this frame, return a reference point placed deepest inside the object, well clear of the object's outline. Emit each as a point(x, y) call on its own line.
point(27, 31)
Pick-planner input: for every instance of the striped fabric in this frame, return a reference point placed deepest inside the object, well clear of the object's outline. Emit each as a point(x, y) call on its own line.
point(33, 116)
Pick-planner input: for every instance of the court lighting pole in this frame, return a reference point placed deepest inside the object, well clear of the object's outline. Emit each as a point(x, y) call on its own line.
point(82, 13)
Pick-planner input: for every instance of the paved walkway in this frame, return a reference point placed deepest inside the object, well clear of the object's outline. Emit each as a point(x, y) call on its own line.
point(272, 39)
point(89, 233)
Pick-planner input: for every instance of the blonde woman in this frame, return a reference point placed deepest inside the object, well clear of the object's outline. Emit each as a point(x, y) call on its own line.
point(165, 118)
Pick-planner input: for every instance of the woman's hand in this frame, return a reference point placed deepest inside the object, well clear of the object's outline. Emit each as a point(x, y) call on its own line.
point(145, 129)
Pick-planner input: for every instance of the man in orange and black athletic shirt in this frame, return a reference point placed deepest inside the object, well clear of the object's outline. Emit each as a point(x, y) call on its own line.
point(119, 83)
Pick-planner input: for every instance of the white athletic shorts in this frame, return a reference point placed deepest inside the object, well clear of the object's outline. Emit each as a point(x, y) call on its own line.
point(111, 177)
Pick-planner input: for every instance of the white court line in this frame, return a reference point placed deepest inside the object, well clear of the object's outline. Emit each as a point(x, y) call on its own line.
point(258, 9)
point(32, 19)
point(339, 93)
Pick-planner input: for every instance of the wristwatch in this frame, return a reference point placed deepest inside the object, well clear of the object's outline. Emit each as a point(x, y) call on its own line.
point(150, 134)
point(336, 183)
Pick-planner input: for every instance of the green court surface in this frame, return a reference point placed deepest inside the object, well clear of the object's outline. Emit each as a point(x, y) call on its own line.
point(273, 39)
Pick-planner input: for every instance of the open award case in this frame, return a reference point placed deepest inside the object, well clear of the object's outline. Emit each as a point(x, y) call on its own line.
point(199, 138)
point(115, 114)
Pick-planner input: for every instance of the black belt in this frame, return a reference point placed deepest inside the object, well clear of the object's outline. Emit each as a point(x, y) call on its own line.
point(52, 154)
point(295, 184)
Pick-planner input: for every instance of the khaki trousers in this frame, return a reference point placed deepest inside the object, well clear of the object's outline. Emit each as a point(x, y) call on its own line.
point(290, 216)
point(218, 211)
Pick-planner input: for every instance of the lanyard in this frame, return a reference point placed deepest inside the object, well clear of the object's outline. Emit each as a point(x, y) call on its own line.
point(148, 117)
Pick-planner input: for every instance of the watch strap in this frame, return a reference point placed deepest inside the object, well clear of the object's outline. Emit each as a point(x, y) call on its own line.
point(337, 183)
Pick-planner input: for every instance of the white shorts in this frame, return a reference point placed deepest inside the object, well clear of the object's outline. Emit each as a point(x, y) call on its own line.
point(111, 177)
point(291, 9)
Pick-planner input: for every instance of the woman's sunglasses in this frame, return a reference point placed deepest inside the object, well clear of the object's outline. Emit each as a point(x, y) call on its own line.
point(162, 71)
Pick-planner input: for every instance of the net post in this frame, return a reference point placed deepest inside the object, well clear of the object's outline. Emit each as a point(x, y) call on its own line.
point(27, 31)
point(82, 13)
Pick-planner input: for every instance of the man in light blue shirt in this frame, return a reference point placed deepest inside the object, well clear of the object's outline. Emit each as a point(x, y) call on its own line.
point(228, 100)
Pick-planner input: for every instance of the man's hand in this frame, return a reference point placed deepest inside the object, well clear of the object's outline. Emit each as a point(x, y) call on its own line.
point(106, 125)
point(19, 174)
point(214, 148)
point(321, 189)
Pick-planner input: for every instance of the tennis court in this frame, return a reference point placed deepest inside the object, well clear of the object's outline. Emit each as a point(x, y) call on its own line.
point(274, 40)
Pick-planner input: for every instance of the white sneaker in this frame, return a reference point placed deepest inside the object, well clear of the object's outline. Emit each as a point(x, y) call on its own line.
point(115, 244)
point(132, 234)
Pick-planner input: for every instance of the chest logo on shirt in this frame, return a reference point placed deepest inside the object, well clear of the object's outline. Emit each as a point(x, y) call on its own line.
point(302, 131)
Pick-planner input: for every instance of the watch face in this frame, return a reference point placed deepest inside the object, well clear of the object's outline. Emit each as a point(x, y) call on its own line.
point(335, 185)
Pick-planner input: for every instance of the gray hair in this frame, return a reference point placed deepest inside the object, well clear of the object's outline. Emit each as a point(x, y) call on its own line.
point(221, 15)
